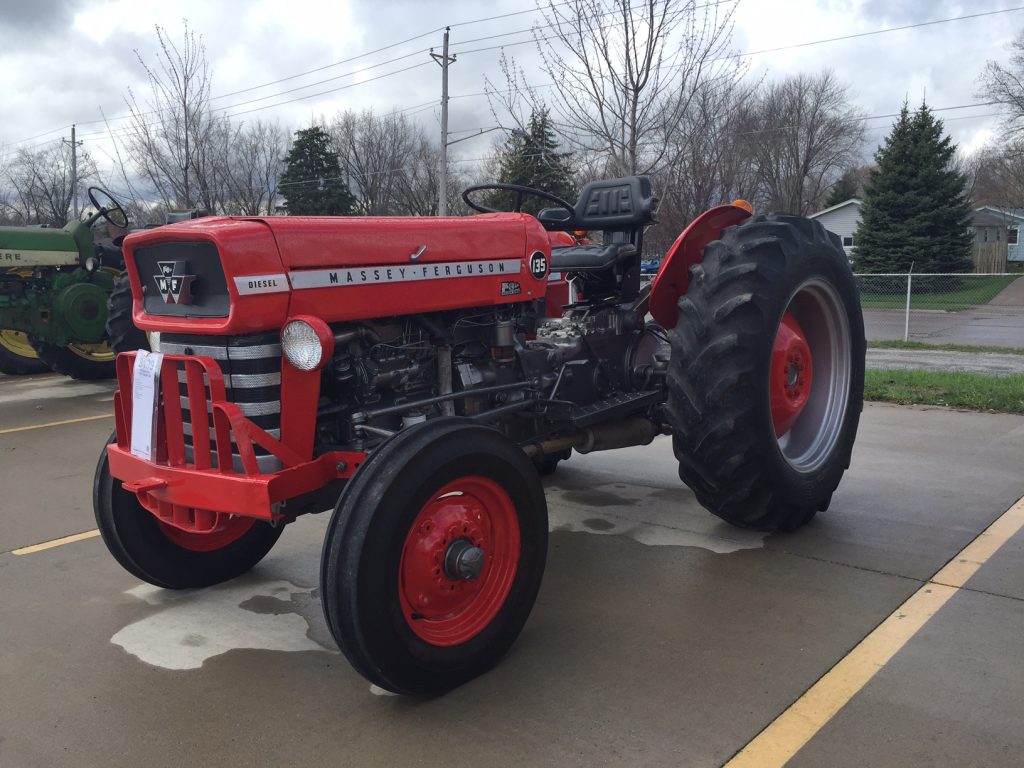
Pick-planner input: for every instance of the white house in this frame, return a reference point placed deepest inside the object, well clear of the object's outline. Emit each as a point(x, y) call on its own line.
point(995, 230)
point(843, 220)
point(991, 224)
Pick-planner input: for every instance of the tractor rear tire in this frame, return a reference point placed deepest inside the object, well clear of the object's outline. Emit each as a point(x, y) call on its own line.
point(17, 358)
point(744, 461)
point(86, 362)
point(168, 557)
point(395, 595)
point(121, 330)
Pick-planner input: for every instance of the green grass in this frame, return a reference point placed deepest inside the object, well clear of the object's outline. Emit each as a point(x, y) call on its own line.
point(955, 390)
point(946, 347)
point(973, 291)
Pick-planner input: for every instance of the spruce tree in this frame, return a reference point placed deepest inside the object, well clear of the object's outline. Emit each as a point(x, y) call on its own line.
point(534, 161)
point(941, 224)
point(312, 184)
point(844, 189)
point(915, 204)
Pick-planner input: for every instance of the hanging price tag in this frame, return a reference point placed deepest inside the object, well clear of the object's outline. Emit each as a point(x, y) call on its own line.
point(145, 401)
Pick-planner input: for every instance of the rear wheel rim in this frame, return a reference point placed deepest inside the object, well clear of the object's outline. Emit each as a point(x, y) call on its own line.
point(439, 607)
point(17, 343)
point(94, 353)
point(818, 315)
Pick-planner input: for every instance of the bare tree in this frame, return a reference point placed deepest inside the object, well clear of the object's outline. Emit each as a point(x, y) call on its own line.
point(1004, 84)
point(623, 74)
point(417, 187)
point(804, 133)
point(40, 184)
point(174, 139)
point(374, 150)
point(708, 158)
point(252, 166)
point(996, 175)
point(391, 164)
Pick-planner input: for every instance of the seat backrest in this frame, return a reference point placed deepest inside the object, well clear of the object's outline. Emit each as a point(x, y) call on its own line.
point(620, 209)
point(609, 205)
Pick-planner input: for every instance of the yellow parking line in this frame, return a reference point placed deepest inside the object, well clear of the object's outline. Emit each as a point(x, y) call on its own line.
point(56, 543)
point(55, 423)
point(791, 730)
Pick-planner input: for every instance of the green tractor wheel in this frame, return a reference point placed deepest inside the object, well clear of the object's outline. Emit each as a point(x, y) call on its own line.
point(79, 361)
point(17, 357)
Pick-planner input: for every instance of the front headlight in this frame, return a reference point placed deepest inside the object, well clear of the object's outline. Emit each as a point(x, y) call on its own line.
point(307, 342)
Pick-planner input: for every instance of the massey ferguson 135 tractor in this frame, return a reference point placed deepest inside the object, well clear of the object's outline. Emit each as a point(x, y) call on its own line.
point(55, 285)
point(407, 372)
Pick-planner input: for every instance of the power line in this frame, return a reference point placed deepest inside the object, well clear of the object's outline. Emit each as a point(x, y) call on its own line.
point(489, 48)
point(883, 31)
point(332, 90)
point(383, 63)
point(324, 67)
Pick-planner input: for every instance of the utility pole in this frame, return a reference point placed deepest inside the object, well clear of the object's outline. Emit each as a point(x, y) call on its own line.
point(442, 185)
point(74, 169)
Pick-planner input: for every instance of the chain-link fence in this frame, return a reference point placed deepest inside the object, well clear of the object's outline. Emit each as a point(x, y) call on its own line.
point(973, 309)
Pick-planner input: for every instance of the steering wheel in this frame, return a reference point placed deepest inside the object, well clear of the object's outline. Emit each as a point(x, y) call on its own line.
point(108, 213)
point(521, 192)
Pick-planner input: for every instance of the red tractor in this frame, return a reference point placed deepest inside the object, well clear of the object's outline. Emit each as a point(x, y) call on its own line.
point(407, 372)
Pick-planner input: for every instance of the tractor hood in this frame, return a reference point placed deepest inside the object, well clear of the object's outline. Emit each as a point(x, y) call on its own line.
point(37, 247)
point(234, 274)
point(316, 242)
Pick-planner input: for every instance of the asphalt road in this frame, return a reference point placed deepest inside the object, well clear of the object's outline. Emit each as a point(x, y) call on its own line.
point(662, 637)
point(989, 326)
point(944, 361)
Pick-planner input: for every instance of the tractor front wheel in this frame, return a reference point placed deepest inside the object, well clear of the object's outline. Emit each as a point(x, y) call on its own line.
point(17, 357)
point(170, 557)
point(766, 378)
point(434, 556)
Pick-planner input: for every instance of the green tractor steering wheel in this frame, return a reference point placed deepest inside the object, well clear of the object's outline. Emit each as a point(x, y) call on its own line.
point(108, 212)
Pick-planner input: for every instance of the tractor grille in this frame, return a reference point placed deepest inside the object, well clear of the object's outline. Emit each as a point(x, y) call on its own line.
point(252, 378)
point(207, 292)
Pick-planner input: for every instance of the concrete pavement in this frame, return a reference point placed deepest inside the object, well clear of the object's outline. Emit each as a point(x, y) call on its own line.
point(661, 637)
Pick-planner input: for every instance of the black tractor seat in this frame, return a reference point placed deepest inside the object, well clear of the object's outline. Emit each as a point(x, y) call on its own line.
point(589, 258)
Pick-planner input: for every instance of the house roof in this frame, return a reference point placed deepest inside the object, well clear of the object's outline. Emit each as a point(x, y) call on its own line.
point(851, 201)
point(994, 216)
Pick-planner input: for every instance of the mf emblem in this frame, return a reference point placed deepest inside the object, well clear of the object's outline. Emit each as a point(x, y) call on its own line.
point(175, 287)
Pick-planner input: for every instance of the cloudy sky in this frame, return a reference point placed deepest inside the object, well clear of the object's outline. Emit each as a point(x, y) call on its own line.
point(73, 61)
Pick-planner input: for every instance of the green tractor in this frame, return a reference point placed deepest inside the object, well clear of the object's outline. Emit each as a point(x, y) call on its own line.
point(54, 290)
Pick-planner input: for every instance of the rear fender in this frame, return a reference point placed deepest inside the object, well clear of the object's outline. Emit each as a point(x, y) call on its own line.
point(673, 276)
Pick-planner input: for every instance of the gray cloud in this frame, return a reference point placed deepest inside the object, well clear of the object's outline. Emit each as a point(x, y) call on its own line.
point(33, 15)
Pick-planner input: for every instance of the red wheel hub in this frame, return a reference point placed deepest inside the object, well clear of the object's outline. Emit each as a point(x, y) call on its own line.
point(791, 374)
point(229, 532)
point(441, 605)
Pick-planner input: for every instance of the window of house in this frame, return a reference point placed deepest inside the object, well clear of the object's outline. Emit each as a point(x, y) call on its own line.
point(1011, 236)
point(848, 241)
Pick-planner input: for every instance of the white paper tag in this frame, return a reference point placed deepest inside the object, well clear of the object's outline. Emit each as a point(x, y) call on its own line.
point(145, 400)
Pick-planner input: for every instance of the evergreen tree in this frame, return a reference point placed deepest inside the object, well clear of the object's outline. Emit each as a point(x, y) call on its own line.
point(915, 208)
point(844, 189)
point(533, 160)
point(312, 182)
